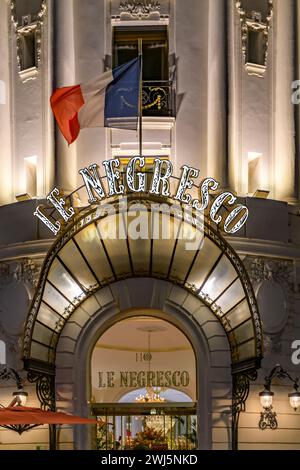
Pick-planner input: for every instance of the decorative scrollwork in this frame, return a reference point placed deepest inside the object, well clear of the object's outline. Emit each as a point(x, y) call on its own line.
point(34, 26)
point(94, 214)
point(252, 21)
point(7, 373)
point(240, 393)
point(157, 97)
point(45, 389)
point(139, 9)
point(268, 419)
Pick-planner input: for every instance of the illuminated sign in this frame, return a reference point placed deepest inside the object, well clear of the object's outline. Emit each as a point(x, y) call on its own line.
point(134, 180)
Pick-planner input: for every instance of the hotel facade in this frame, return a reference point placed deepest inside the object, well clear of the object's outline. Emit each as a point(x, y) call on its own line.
point(167, 340)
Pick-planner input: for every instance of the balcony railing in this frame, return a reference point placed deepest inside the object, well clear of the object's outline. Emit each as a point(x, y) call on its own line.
point(159, 98)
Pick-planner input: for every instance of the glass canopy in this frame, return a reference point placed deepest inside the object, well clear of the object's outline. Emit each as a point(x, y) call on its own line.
point(101, 248)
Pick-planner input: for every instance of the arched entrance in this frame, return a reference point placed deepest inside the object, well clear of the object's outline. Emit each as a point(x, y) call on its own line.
point(90, 280)
point(143, 386)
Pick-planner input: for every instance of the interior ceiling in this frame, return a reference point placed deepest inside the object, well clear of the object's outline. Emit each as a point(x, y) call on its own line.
point(164, 337)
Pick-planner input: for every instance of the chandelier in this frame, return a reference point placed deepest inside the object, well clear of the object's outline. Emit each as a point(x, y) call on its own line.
point(153, 394)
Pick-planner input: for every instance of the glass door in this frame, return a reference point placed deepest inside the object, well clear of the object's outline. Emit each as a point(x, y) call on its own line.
point(162, 428)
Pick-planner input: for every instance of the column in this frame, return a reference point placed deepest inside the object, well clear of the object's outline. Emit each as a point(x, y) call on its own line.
point(6, 195)
point(64, 51)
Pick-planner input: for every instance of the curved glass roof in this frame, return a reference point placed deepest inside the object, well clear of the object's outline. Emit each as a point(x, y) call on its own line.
point(135, 240)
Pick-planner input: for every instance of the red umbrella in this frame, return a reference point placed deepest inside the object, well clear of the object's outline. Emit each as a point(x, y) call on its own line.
point(37, 416)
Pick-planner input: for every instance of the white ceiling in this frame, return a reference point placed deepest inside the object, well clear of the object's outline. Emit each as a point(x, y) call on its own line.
point(132, 334)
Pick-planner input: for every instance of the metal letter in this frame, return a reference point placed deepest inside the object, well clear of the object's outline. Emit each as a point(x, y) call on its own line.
point(59, 205)
point(241, 221)
point(206, 185)
point(218, 203)
point(55, 228)
point(186, 183)
point(159, 178)
point(130, 175)
point(113, 176)
point(92, 182)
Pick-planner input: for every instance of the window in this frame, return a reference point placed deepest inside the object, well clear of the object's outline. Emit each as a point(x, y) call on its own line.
point(155, 50)
point(28, 45)
point(158, 95)
point(256, 47)
point(2, 352)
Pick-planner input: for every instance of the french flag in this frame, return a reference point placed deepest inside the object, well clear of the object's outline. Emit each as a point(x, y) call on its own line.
point(109, 100)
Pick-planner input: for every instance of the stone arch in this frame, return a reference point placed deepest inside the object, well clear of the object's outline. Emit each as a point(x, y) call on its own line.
point(171, 303)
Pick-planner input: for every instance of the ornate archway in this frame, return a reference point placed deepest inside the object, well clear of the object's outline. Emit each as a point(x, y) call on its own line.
point(86, 258)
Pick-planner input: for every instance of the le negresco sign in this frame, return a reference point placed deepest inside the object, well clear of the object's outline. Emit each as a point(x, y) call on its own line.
point(134, 179)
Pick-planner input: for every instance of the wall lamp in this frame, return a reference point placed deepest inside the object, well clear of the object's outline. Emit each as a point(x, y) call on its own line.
point(268, 416)
point(19, 396)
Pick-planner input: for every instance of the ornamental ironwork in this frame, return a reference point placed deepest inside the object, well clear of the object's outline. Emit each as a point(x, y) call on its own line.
point(158, 98)
point(240, 392)
point(95, 214)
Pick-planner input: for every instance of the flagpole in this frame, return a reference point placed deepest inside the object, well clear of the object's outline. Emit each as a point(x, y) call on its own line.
point(140, 51)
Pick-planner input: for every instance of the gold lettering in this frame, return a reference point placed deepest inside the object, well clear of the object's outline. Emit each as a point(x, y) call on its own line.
point(184, 378)
point(123, 379)
point(101, 383)
point(110, 379)
point(159, 378)
point(150, 379)
point(168, 379)
point(174, 380)
point(133, 379)
point(141, 379)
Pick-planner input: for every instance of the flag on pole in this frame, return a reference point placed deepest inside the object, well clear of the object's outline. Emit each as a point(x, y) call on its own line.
point(101, 102)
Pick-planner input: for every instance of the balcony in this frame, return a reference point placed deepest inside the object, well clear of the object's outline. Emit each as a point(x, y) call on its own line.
point(159, 98)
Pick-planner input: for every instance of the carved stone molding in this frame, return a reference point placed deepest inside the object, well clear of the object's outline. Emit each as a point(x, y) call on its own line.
point(26, 271)
point(139, 9)
point(253, 21)
point(30, 25)
point(262, 269)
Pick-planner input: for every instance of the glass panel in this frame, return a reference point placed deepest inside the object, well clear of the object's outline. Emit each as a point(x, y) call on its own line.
point(231, 296)
point(140, 244)
point(52, 297)
point(164, 233)
point(155, 49)
point(42, 334)
point(91, 246)
point(39, 351)
point(247, 350)
point(72, 258)
point(242, 333)
point(204, 262)
point(236, 316)
point(188, 243)
point(113, 234)
point(47, 316)
point(63, 281)
point(145, 431)
point(223, 274)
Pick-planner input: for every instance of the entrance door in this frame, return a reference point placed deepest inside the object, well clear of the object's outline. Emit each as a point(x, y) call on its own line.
point(149, 426)
point(144, 386)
